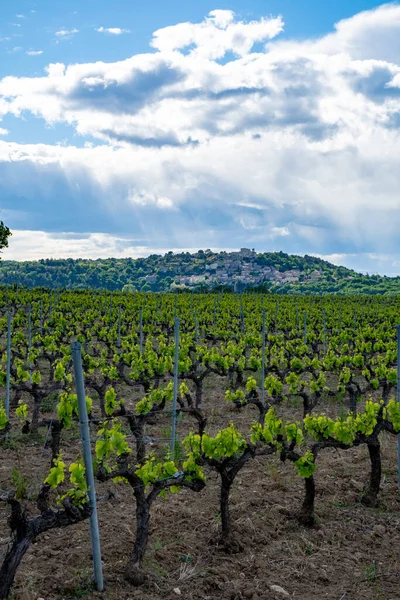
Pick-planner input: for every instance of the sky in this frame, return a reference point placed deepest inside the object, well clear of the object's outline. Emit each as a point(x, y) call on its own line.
point(130, 128)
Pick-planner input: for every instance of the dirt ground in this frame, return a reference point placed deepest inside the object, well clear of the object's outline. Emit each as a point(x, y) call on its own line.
point(353, 553)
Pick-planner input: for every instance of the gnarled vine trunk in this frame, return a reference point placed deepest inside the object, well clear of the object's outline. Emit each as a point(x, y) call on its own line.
point(26, 529)
point(226, 530)
point(10, 565)
point(306, 513)
point(133, 570)
point(370, 498)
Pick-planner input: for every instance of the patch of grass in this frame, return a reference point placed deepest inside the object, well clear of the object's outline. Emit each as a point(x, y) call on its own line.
point(158, 544)
point(71, 434)
point(371, 572)
point(295, 402)
point(378, 595)
point(155, 567)
point(83, 586)
point(179, 454)
point(339, 503)
point(204, 573)
point(20, 483)
point(17, 440)
point(309, 549)
point(49, 403)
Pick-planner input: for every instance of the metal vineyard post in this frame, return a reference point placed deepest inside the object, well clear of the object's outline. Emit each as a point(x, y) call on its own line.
point(30, 335)
point(398, 399)
point(8, 368)
point(141, 331)
point(263, 358)
point(176, 367)
point(87, 458)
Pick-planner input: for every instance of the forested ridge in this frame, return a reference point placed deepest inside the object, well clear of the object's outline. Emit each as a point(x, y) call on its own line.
point(203, 270)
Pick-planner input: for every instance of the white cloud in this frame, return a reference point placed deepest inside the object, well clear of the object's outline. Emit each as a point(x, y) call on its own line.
point(112, 30)
point(66, 34)
point(3, 131)
point(144, 198)
point(368, 34)
point(34, 245)
point(384, 264)
point(20, 16)
point(279, 232)
point(221, 18)
point(216, 35)
point(34, 52)
point(296, 147)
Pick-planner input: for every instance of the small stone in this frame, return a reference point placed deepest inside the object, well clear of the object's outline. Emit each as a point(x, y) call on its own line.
point(279, 590)
point(177, 591)
point(357, 485)
point(322, 575)
point(358, 556)
point(379, 530)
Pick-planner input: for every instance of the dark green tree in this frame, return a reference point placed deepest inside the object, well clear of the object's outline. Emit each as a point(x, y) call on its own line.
point(4, 235)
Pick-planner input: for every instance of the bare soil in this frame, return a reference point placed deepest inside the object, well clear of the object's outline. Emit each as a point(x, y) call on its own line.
point(353, 553)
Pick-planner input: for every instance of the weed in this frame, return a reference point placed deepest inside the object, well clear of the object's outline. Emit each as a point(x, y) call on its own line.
point(213, 416)
point(83, 587)
point(186, 558)
point(371, 572)
point(49, 403)
point(151, 564)
point(273, 471)
point(179, 454)
point(339, 503)
point(20, 483)
point(158, 544)
point(187, 570)
point(295, 402)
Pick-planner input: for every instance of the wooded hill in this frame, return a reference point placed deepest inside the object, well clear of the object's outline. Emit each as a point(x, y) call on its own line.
point(201, 271)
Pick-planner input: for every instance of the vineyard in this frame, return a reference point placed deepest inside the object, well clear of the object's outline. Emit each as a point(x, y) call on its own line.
point(244, 445)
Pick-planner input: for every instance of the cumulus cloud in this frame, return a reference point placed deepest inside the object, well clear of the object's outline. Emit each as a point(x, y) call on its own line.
point(216, 35)
point(34, 52)
point(370, 34)
point(3, 131)
point(206, 139)
point(112, 30)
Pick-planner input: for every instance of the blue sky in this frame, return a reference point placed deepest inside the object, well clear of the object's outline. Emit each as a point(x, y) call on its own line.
point(128, 128)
